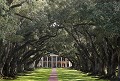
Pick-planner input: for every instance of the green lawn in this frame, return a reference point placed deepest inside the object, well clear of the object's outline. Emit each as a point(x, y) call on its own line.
point(37, 75)
point(73, 75)
point(63, 75)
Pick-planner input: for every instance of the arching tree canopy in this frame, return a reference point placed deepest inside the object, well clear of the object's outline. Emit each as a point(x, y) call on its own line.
point(86, 32)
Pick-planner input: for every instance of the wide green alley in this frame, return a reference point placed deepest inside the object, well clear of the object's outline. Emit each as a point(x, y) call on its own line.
point(59, 40)
point(43, 74)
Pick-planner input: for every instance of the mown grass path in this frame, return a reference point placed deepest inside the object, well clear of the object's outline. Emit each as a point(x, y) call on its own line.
point(74, 75)
point(53, 76)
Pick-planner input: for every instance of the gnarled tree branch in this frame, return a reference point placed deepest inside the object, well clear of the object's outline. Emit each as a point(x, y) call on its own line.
point(23, 16)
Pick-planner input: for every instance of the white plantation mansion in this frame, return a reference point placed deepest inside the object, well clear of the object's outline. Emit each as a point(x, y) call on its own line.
point(54, 61)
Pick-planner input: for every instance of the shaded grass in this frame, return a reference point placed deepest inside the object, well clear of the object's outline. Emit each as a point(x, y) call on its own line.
point(63, 75)
point(37, 75)
point(74, 75)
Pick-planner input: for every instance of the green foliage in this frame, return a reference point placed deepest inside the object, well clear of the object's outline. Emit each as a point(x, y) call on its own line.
point(3, 7)
point(72, 24)
point(106, 15)
point(15, 38)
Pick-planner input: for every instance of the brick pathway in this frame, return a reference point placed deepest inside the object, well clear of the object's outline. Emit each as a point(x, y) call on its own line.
point(53, 76)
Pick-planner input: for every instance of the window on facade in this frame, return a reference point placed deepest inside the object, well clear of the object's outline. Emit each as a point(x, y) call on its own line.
point(58, 65)
point(49, 58)
point(54, 58)
point(63, 65)
point(67, 64)
point(59, 58)
point(63, 59)
point(44, 64)
point(45, 58)
point(49, 64)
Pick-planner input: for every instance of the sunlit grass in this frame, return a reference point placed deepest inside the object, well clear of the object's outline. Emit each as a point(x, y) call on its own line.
point(74, 75)
point(37, 75)
point(63, 75)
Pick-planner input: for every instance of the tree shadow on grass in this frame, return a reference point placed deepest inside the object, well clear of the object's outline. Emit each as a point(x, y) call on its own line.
point(73, 75)
point(37, 75)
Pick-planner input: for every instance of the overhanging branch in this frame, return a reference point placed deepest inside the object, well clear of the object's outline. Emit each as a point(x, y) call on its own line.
point(91, 23)
point(23, 16)
point(17, 5)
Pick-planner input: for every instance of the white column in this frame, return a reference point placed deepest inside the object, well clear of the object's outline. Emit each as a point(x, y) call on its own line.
point(65, 62)
point(56, 61)
point(61, 61)
point(42, 61)
point(52, 61)
point(69, 63)
point(47, 62)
